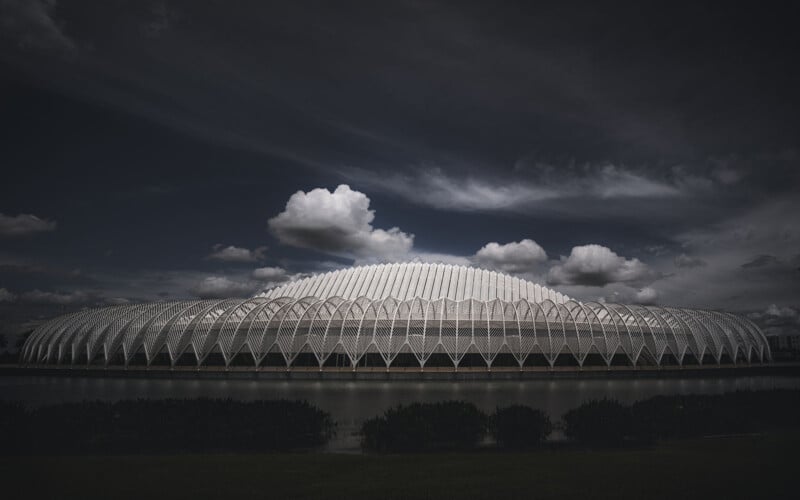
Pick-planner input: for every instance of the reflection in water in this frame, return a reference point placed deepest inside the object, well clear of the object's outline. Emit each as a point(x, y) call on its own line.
point(350, 402)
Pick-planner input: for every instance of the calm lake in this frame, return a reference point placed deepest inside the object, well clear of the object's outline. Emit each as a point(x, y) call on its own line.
point(350, 402)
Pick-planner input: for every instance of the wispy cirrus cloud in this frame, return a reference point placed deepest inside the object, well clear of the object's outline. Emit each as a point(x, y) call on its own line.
point(63, 298)
point(24, 224)
point(540, 185)
point(33, 25)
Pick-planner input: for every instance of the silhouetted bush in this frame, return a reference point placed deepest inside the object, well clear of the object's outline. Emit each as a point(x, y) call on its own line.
point(206, 425)
point(425, 427)
point(682, 416)
point(14, 423)
point(519, 427)
point(601, 422)
point(608, 423)
point(174, 426)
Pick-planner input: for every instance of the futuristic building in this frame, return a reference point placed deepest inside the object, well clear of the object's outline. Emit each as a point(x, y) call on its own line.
point(397, 315)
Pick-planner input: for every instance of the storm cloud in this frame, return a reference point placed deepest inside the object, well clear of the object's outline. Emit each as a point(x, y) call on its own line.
point(173, 140)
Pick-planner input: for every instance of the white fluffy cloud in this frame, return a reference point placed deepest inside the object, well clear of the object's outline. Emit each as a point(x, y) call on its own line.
point(596, 265)
point(24, 224)
point(232, 253)
point(221, 287)
point(338, 223)
point(7, 296)
point(515, 257)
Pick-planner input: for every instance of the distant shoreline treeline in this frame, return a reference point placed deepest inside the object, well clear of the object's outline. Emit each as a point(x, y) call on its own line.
point(456, 425)
point(216, 425)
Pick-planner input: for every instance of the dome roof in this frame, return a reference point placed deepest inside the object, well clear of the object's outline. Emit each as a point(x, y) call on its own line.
point(409, 280)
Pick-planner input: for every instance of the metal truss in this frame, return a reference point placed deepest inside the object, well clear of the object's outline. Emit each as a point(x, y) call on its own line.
point(405, 281)
point(389, 326)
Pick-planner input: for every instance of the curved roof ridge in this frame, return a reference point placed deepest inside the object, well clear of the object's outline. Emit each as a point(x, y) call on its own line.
point(427, 280)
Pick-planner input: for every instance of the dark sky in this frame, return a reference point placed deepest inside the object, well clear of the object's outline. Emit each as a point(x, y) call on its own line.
point(165, 149)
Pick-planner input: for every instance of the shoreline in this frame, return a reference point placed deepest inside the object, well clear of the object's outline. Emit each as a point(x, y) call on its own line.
point(383, 374)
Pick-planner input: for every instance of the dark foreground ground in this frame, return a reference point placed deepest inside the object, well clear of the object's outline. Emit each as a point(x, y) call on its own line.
point(761, 466)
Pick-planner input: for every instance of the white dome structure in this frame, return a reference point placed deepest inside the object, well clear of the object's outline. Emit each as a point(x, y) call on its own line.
point(407, 281)
point(390, 316)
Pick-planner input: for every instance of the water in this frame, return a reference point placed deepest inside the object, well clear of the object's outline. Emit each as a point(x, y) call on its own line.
point(351, 402)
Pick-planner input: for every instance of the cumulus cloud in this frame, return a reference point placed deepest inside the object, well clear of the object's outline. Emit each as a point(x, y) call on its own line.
point(31, 24)
point(338, 223)
point(515, 257)
point(233, 253)
point(7, 296)
point(781, 312)
point(56, 298)
point(646, 295)
point(684, 260)
point(24, 224)
point(596, 265)
point(221, 287)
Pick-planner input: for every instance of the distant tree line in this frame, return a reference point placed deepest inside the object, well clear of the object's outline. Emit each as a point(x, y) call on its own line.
point(448, 425)
point(457, 425)
point(169, 425)
point(5, 355)
point(453, 425)
point(215, 425)
point(9, 354)
point(610, 423)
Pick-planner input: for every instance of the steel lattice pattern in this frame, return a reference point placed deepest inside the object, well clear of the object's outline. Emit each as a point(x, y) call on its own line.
point(404, 281)
point(389, 326)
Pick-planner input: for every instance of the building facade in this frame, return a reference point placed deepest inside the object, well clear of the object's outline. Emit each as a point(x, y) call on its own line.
point(391, 315)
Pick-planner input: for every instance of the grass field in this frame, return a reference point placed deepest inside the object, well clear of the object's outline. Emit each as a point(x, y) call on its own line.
point(740, 467)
